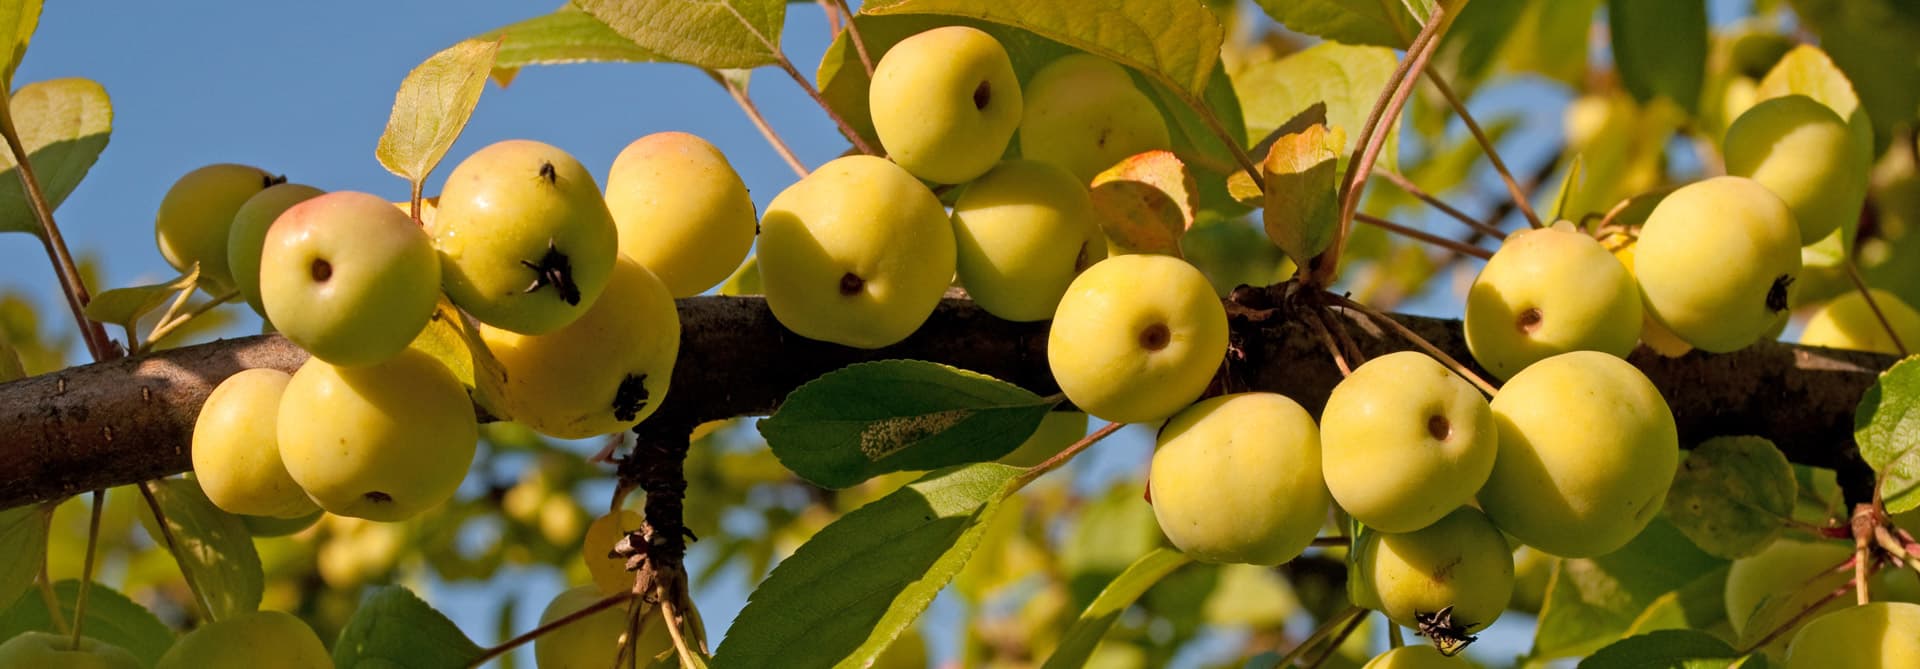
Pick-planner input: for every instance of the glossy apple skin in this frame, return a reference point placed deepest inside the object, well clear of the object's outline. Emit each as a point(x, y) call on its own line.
point(604, 372)
point(46, 650)
point(1236, 478)
point(513, 206)
point(1879, 635)
point(348, 278)
point(1803, 152)
point(243, 641)
point(1754, 243)
point(1024, 230)
point(593, 642)
point(681, 209)
point(1848, 322)
point(1416, 656)
point(1084, 114)
point(249, 235)
point(236, 449)
point(1137, 338)
point(1461, 561)
point(945, 103)
point(1404, 441)
point(1587, 451)
point(858, 253)
point(196, 216)
point(1547, 292)
point(383, 441)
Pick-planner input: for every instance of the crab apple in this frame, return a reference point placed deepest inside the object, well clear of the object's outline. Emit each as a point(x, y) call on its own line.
point(1058, 430)
point(1460, 565)
point(196, 216)
point(1848, 322)
point(1136, 338)
point(945, 103)
point(249, 235)
point(1877, 635)
point(857, 253)
point(526, 242)
point(1547, 292)
point(348, 278)
point(1803, 152)
point(594, 642)
point(244, 640)
point(236, 450)
point(46, 650)
point(1750, 235)
point(1404, 441)
point(600, 374)
point(1236, 478)
point(681, 210)
point(1023, 231)
point(1084, 114)
point(1417, 656)
point(383, 441)
point(1587, 450)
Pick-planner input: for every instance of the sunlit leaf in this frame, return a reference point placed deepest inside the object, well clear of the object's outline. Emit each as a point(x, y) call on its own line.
point(1887, 426)
point(1301, 208)
point(1733, 495)
point(125, 306)
point(1145, 202)
point(432, 107)
point(64, 125)
point(1077, 644)
point(1349, 21)
point(568, 35)
point(1346, 79)
point(394, 628)
point(714, 34)
point(211, 544)
point(18, 19)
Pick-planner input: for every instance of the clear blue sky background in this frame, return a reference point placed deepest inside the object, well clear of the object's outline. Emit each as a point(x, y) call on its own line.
point(304, 89)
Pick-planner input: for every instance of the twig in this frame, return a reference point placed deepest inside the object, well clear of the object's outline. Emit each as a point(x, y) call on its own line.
point(1486, 144)
point(1416, 340)
point(86, 568)
point(1064, 455)
point(173, 548)
point(760, 123)
point(1859, 283)
point(1333, 644)
point(166, 327)
point(1795, 620)
point(72, 285)
point(535, 633)
point(1430, 238)
point(853, 32)
point(786, 65)
point(1394, 637)
point(1326, 629)
point(1413, 189)
point(1319, 326)
point(672, 620)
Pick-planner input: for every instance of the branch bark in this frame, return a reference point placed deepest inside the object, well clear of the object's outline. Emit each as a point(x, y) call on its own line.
point(130, 420)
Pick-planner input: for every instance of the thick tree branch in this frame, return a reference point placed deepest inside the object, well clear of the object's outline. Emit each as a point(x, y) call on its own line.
point(130, 420)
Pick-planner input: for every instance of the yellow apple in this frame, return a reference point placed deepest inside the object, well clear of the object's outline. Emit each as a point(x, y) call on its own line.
point(682, 211)
point(246, 641)
point(348, 278)
point(1405, 441)
point(593, 642)
point(196, 216)
point(609, 571)
point(1024, 230)
point(1136, 338)
point(1716, 260)
point(945, 103)
point(1236, 478)
point(1848, 322)
point(236, 449)
point(1879, 635)
point(1462, 561)
point(1084, 114)
point(46, 650)
point(1417, 656)
point(249, 235)
point(1804, 153)
point(1547, 292)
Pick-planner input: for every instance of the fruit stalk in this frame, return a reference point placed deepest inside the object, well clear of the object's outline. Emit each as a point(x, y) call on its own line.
point(760, 123)
point(1486, 144)
point(510, 644)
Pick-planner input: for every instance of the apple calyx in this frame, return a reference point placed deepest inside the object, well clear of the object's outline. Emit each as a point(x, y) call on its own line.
point(554, 269)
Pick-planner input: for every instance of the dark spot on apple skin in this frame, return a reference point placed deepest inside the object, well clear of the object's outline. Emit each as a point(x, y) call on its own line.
point(630, 397)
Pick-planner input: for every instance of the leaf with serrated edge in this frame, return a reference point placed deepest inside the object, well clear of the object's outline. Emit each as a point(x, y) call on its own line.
point(1301, 208)
point(1346, 79)
point(18, 19)
point(1145, 202)
point(432, 107)
point(1077, 644)
point(125, 306)
point(23, 545)
point(1887, 426)
point(394, 628)
point(1349, 21)
point(873, 418)
point(714, 34)
point(1733, 495)
point(565, 36)
point(64, 124)
point(857, 584)
point(111, 618)
point(1674, 649)
point(212, 544)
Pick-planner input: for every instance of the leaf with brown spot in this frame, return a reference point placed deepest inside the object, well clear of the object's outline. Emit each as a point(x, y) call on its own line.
point(1145, 203)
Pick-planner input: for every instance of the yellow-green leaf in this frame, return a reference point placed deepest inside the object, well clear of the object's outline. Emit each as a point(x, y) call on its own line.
point(714, 34)
point(18, 18)
point(1349, 21)
point(449, 339)
point(432, 107)
point(125, 306)
point(1145, 202)
point(1347, 79)
point(565, 36)
point(64, 125)
point(23, 544)
point(1301, 209)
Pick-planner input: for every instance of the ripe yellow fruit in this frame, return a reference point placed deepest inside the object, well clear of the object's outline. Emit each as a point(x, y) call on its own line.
point(1588, 448)
point(249, 235)
point(526, 242)
point(1136, 338)
point(1547, 292)
point(1462, 562)
point(609, 573)
point(196, 216)
point(1417, 656)
point(245, 640)
point(1754, 244)
point(945, 103)
point(46, 650)
point(604, 372)
point(1404, 441)
point(383, 441)
point(1056, 432)
point(1236, 478)
point(236, 449)
point(1024, 230)
point(681, 210)
point(1848, 322)
point(348, 278)
point(858, 253)
point(593, 642)
point(1084, 114)
point(1803, 152)
point(1652, 333)
point(1879, 635)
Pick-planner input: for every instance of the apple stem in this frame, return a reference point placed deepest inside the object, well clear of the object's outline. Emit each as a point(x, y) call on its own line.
point(1417, 340)
point(71, 283)
point(1319, 326)
point(47, 596)
point(535, 633)
point(1063, 456)
point(1333, 644)
point(86, 568)
point(1486, 144)
point(853, 32)
point(1430, 238)
point(173, 547)
point(760, 122)
point(1394, 637)
point(1860, 284)
point(1421, 194)
point(1327, 629)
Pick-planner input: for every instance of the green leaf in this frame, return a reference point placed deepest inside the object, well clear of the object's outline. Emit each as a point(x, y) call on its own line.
point(1592, 601)
point(394, 628)
point(1174, 42)
point(1302, 206)
point(111, 618)
point(1077, 644)
point(565, 36)
point(432, 107)
point(23, 545)
point(125, 306)
point(64, 125)
point(874, 418)
point(1733, 495)
point(714, 34)
point(18, 19)
point(1806, 70)
point(1696, 605)
point(1112, 531)
point(211, 544)
point(1349, 21)
point(1660, 48)
point(1887, 426)
point(1670, 649)
point(858, 583)
point(1348, 79)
